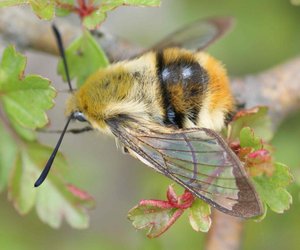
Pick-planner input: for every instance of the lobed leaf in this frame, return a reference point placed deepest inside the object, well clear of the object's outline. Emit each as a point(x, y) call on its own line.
point(91, 21)
point(152, 218)
point(8, 3)
point(270, 178)
point(272, 188)
point(256, 118)
point(249, 139)
point(99, 15)
point(44, 9)
point(24, 99)
point(84, 57)
point(54, 200)
point(199, 216)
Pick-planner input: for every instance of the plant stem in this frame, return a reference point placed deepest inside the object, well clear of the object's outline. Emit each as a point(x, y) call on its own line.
point(225, 232)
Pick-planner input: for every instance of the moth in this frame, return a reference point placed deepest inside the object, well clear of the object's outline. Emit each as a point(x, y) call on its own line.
point(166, 108)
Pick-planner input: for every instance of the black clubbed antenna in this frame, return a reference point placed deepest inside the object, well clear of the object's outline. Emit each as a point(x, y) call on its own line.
point(46, 170)
point(62, 54)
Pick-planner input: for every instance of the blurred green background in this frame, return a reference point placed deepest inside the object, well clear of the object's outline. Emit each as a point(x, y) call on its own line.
point(267, 33)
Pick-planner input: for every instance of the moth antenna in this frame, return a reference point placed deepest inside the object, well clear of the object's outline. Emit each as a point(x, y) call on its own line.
point(48, 165)
point(62, 53)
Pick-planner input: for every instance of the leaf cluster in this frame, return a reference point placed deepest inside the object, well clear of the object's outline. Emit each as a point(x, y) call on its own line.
point(92, 13)
point(157, 216)
point(251, 129)
point(24, 100)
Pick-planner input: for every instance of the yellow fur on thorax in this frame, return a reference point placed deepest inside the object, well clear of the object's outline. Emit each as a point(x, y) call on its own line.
point(123, 94)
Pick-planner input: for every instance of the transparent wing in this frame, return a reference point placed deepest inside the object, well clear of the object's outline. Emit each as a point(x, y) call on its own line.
point(198, 35)
point(199, 160)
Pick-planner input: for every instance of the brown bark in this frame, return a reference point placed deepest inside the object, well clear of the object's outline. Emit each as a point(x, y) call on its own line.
point(225, 232)
point(21, 26)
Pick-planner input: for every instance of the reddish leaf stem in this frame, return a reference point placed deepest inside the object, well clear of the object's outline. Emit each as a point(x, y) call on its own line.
point(85, 9)
point(156, 203)
point(182, 202)
point(174, 218)
point(82, 10)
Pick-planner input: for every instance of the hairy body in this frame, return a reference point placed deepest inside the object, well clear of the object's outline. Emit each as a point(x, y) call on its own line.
point(172, 87)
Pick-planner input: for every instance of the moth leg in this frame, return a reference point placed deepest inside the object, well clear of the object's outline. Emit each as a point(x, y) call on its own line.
point(125, 150)
point(79, 130)
point(72, 131)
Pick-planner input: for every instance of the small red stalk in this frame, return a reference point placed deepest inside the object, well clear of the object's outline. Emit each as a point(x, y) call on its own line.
point(173, 201)
point(180, 203)
point(84, 9)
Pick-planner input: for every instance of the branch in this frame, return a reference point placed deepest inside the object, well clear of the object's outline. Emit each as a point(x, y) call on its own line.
point(21, 26)
point(225, 232)
point(277, 88)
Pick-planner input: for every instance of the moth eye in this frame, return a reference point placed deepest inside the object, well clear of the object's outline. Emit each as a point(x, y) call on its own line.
point(79, 116)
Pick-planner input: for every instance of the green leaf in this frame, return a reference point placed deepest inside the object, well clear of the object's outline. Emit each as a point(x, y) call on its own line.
point(152, 218)
point(248, 139)
point(256, 118)
point(94, 19)
point(54, 200)
point(84, 57)
point(8, 152)
point(272, 190)
point(64, 7)
point(282, 176)
point(24, 99)
point(8, 3)
point(55, 203)
point(20, 191)
point(44, 9)
point(25, 133)
point(199, 216)
point(99, 15)
point(107, 5)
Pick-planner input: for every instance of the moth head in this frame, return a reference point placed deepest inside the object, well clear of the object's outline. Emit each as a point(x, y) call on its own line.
point(89, 101)
point(74, 110)
point(101, 96)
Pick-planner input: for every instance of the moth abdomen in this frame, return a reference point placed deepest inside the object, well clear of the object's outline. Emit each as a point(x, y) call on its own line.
point(183, 82)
